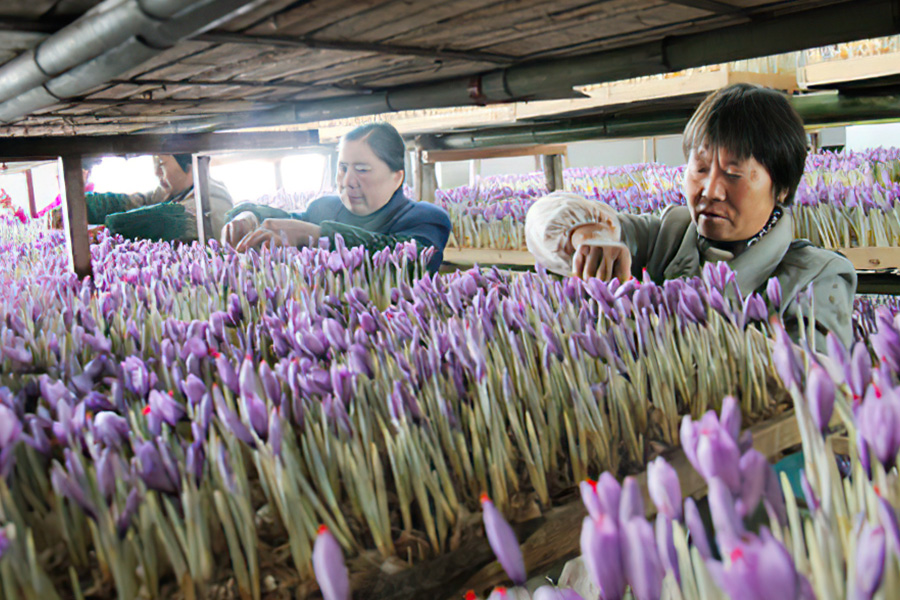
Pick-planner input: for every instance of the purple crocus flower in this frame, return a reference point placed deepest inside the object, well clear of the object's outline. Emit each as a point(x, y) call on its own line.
point(138, 379)
point(602, 496)
point(696, 528)
point(785, 358)
point(503, 541)
point(758, 569)
point(151, 467)
point(328, 565)
point(860, 372)
point(643, 568)
point(227, 373)
point(632, 500)
point(773, 291)
point(165, 408)
point(820, 396)
point(601, 551)
point(711, 449)
point(753, 468)
point(728, 525)
point(5, 543)
point(886, 341)
point(879, 424)
point(665, 545)
point(110, 428)
point(547, 592)
point(870, 555)
point(665, 490)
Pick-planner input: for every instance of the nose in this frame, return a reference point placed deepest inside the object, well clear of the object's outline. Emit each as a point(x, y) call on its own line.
point(714, 183)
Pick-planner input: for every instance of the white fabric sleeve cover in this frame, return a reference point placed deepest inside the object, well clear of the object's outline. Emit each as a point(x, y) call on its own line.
point(550, 222)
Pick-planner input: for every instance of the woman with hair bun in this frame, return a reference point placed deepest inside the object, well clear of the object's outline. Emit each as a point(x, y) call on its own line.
point(370, 208)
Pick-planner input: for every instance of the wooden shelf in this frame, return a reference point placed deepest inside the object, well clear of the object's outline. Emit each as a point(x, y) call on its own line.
point(874, 258)
point(851, 69)
point(435, 156)
point(487, 256)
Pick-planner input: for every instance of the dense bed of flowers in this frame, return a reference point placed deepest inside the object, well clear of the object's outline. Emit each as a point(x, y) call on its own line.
point(192, 404)
point(844, 200)
point(835, 535)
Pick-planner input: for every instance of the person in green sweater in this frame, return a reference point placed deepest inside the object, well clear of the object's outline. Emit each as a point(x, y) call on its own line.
point(167, 213)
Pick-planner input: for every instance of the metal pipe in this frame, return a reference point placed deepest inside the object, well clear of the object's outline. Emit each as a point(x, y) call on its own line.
point(112, 38)
point(555, 78)
point(814, 109)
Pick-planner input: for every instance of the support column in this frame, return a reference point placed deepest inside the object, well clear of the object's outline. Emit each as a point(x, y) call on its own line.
point(553, 171)
point(32, 203)
point(417, 174)
point(429, 182)
point(201, 197)
point(74, 212)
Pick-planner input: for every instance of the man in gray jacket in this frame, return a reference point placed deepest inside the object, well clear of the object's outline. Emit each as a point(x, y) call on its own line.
point(169, 212)
point(746, 150)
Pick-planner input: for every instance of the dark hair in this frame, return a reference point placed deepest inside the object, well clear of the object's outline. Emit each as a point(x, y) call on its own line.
point(749, 120)
point(385, 142)
point(185, 161)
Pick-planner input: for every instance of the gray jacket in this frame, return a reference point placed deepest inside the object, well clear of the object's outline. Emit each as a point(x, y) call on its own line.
point(667, 247)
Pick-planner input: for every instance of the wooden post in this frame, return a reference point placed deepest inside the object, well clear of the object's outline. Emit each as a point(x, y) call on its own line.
point(279, 183)
point(74, 212)
point(418, 174)
point(553, 171)
point(474, 171)
point(32, 204)
point(429, 182)
point(201, 197)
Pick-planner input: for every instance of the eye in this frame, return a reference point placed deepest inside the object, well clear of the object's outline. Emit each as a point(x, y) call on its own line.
point(733, 176)
point(363, 168)
point(342, 168)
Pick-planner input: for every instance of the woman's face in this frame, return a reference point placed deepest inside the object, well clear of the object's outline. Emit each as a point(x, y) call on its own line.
point(364, 181)
point(730, 200)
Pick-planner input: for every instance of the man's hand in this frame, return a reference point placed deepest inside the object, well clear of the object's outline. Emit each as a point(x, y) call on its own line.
point(604, 261)
point(235, 230)
point(279, 232)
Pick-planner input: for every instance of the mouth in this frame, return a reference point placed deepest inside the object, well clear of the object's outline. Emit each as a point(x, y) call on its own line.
point(712, 215)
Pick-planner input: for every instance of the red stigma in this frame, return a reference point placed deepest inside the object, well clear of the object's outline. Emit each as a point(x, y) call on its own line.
point(501, 591)
point(213, 353)
point(592, 483)
point(146, 410)
point(877, 390)
point(877, 490)
point(248, 357)
point(171, 394)
point(470, 595)
point(323, 529)
point(737, 554)
point(484, 498)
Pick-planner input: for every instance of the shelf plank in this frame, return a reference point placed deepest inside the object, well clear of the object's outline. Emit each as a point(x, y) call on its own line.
point(435, 156)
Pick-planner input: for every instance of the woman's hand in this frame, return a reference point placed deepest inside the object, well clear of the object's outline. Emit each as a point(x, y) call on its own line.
point(604, 261)
point(280, 232)
point(594, 256)
point(235, 230)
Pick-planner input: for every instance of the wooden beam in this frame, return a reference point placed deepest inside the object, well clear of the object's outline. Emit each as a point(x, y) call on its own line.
point(435, 156)
point(32, 204)
point(113, 145)
point(353, 46)
point(713, 6)
point(74, 212)
point(201, 197)
point(874, 258)
point(552, 165)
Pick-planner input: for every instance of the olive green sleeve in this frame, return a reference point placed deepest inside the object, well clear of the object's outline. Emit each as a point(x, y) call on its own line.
point(357, 236)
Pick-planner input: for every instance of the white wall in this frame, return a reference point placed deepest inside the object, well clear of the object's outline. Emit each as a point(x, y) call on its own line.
point(882, 135)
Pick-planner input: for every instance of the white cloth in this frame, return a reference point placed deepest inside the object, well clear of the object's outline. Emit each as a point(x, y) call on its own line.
point(550, 222)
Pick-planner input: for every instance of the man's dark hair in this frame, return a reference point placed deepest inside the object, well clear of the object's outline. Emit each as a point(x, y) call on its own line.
point(185, 161)
point(385, 142)
point(752, 121)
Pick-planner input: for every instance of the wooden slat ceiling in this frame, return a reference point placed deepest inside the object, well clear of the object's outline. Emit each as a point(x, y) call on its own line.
point(286, 51)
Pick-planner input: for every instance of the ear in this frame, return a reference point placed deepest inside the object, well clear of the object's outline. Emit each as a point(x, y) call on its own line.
point(398, 177)
point(781, 196)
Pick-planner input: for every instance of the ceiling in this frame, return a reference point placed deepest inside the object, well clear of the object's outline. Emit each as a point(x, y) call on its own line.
point(287, 60)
